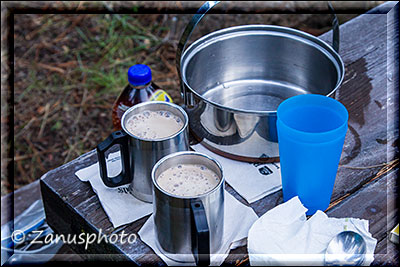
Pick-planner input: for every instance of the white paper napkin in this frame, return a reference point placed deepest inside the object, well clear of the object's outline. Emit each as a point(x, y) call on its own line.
point(120, 206)
point(252, 181)
point(237, 222)
point(284, 236)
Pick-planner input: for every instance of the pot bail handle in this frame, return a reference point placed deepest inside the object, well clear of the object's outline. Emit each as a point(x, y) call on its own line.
point(186, 35)
point(335, 29)
point(210, 4)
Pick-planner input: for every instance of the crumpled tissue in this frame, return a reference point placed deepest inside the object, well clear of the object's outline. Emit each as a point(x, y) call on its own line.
point(284, 236)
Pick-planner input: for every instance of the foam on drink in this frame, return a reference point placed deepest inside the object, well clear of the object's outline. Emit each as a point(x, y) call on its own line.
point(188, 180)
point(154, 124)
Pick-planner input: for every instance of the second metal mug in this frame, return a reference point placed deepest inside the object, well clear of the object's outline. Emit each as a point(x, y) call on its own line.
point(139, 155)
point(188, 226)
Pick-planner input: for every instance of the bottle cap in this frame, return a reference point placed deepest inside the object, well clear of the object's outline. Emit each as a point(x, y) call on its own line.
point(139, 74)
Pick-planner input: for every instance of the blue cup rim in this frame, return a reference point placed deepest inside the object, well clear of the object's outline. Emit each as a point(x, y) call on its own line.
point(314, 99)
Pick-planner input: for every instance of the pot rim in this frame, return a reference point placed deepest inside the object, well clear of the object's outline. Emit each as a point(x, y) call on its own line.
point(301, 36)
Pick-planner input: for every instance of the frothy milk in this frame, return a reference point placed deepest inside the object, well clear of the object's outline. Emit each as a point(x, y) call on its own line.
point(188, 180)
point(154, 124)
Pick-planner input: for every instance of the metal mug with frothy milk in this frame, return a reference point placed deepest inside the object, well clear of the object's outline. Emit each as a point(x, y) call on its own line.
point(188, 228)
point(138, 155)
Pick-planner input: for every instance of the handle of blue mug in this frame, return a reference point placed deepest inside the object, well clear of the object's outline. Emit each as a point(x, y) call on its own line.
point(124, 177)
point(200, 234)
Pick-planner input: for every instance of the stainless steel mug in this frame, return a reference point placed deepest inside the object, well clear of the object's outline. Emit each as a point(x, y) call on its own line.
point(188, 226)
point(139, 155)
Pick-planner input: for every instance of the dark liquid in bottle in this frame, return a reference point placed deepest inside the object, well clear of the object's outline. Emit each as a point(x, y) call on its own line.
point(129, 97)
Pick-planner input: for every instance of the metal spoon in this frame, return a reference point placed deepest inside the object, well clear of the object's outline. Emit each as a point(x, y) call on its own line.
point(346, 248)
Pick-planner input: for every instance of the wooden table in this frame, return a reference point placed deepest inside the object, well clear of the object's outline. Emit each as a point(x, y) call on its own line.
point(13, 204)
point(366, 180)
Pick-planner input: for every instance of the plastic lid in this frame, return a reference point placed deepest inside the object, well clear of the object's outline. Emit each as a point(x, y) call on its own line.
point(139, 74)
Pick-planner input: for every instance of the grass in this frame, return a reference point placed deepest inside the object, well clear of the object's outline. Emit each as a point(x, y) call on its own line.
point(69, 70)
point(118, 40)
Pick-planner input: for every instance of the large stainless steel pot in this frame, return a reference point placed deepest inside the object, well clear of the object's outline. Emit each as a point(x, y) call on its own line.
point(233, 80)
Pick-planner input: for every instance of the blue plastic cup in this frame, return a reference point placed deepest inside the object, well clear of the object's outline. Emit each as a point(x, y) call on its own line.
point(311, 131)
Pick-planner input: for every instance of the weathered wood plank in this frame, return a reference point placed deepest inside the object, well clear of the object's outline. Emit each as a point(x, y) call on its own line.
point(386, 254)
point(19, 201)
point(365, 94)
point(374, 202)
point(365, 84)
point(14, 203)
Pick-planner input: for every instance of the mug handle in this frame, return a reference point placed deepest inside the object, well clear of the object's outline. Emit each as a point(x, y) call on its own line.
point(124, 177)
point(200, 234)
